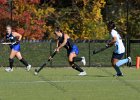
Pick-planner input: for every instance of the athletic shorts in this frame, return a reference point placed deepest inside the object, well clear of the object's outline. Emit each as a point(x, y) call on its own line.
point(74, 49)
point(15, 47)
point(117, 56)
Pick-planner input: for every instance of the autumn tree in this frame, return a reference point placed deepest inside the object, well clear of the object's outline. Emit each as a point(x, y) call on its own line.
point(84, 19)
point(27, 17)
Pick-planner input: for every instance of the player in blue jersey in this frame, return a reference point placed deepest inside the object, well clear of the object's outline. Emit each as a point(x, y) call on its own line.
point(72, 50)
point(119, 49)
point(15, 38)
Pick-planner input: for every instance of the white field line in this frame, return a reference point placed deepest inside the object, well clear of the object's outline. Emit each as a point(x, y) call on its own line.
point(69, 81)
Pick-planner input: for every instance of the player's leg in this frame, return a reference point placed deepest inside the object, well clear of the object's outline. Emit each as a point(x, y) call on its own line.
point(116, 62)
point(75, 66)
point(117, 69)
point(76, 52)
point(82, 59)
point(123, 61)
point(11, 60)
point(22, 60)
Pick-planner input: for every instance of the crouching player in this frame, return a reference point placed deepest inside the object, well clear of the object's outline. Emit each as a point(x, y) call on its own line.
point(63, 40)
point(119, 49)
point(15, 49)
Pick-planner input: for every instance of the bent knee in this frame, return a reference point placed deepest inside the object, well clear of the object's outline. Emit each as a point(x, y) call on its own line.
point(70, 58)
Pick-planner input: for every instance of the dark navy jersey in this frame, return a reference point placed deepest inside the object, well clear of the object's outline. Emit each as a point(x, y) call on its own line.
point(69, 43)
point(10, 38)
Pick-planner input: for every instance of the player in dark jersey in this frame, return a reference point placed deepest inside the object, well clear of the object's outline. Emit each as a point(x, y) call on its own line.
point(15, 48)
point(72, 50)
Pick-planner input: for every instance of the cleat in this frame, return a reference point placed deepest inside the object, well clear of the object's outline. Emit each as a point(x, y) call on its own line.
point(83, 61)
point(118, 75)
point(130, 61)
point(28, 67)
point(8, 69)
point(82, 73)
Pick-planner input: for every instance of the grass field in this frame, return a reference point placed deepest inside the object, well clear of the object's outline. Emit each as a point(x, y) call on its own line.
point(64, 84)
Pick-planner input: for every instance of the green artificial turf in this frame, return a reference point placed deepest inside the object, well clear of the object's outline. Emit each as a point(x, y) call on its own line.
point(64, 84)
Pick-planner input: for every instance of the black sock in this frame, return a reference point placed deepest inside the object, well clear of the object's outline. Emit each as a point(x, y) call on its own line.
point(76, 67)
point(11, 62)
point(24, 62)
point(117, 69)
point(76, 59)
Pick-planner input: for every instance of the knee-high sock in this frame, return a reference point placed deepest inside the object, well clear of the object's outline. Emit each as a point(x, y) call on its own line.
point(117, 69)
point(11, 62)
point(24, 62)
point(76, 59)
point(76, 67)
point(121, 62)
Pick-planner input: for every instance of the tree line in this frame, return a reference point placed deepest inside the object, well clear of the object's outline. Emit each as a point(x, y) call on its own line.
point(84, 19)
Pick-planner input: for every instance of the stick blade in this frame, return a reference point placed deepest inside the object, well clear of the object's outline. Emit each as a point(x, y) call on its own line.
point(94, 52)
point(36, 72)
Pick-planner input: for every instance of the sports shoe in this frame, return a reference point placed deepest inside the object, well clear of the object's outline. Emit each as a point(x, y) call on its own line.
point(28, 67)
point(8, 69)
point(82, 73)
point(83, 61)
point(129, 60)
point(118, 75)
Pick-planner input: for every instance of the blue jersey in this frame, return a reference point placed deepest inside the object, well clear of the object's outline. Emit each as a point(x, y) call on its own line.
point(69, 46)
point(69, 43)
point(11, 38)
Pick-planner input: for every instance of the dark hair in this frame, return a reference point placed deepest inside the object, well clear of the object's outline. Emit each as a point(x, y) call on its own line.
point(111, 25)
point(9, 26)
point(57, 29)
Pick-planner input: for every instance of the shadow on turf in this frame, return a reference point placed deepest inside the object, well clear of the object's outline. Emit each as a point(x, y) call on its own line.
point(51, 83)
point(99, 75)
point(86, 76)
point(122, 80)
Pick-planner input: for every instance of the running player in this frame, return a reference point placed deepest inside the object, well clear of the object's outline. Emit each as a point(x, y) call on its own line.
point(72, 50)
point(15, 49)
point(119, 49)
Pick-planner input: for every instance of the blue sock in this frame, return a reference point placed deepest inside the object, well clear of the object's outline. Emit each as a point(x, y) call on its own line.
point(121, 62)
point(117, 70)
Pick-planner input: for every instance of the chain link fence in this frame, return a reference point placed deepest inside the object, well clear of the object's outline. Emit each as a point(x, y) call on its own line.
point(134, 50)
point(37, 52)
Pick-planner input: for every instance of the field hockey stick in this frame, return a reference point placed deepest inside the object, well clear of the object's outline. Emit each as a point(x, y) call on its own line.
point(43, 65)
point(101, 49)
point(9, 43)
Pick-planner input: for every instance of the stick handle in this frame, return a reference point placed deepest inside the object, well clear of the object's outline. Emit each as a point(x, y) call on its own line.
point(43, 65)
point(51, 57)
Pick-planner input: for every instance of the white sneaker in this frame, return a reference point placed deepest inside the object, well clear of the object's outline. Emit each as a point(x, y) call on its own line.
point(28, 67)
point(82, 73)
point(83, 61)
point(129, 60)
point(8, 69)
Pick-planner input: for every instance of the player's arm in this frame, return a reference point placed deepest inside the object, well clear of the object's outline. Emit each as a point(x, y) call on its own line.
point(64, 42)
point(57, 43)
point(112, 41)
point(17, 35)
